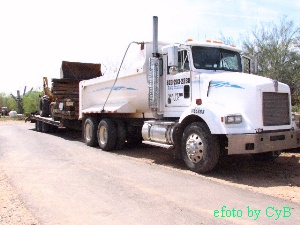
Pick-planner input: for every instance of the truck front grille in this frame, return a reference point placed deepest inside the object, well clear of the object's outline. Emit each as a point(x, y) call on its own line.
point(276, 110)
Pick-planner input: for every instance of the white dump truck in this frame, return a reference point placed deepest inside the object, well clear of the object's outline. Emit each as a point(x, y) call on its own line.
point(194, 97)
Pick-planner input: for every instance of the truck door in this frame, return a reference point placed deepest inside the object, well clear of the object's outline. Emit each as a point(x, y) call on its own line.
point(178, 91)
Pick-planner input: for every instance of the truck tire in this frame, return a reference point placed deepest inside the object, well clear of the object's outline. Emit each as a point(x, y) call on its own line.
point(90, 132)
point(45, 106)
point(266, 156)
point(107, 135)
point(121, 134)
point(200, 149)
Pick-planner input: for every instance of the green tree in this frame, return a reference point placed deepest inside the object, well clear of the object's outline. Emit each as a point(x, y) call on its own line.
point(31, 102)
point(3, 99)
point(11, 104)
point(277, 49)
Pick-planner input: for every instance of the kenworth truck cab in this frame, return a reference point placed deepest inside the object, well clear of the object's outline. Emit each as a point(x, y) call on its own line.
point(194, 97)
point(249, 113)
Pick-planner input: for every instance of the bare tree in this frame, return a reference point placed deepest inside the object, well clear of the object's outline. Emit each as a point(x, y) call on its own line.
point(277, 48)
point(227, 40)
point(19, 100)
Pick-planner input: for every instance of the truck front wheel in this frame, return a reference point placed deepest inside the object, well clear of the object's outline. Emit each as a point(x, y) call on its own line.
point(200, 149)
point(90, 131)
point(107, 135)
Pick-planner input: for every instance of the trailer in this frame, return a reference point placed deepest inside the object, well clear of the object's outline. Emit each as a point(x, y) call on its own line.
point(59, 106)
point(200, 99)
point(44, 124)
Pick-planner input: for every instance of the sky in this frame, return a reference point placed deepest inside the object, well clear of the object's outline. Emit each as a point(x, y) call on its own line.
point(37, 35)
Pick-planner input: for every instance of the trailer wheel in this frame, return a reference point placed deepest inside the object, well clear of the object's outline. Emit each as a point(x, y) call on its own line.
point(90, 131)
point(45, 127)
point(38, 125)
point(107, 135)
point(200, 149)
point(121, 134)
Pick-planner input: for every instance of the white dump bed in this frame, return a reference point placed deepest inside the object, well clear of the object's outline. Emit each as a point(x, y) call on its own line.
point(130, 92)
point(129, 95)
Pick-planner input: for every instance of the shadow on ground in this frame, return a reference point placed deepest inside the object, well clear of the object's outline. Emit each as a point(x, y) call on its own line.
point(283, 171)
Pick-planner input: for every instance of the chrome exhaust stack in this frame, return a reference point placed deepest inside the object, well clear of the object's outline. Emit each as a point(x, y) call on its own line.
point(155, 37)
point(153, 75)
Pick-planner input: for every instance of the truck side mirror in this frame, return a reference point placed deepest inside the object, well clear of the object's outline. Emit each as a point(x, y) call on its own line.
point(173, 59)
point(246, 64)
point(250, 65)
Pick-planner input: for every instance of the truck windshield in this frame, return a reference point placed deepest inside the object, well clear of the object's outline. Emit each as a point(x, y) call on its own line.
point(216, 59)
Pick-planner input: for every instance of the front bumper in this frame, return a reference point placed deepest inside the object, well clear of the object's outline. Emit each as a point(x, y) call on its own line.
point(263, 142)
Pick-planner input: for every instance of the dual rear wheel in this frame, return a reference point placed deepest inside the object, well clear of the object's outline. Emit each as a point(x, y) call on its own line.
point(108, 134)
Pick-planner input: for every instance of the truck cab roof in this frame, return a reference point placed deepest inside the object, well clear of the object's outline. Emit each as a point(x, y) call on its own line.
point(207, 43)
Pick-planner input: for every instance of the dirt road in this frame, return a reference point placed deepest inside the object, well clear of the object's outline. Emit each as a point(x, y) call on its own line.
point(70, 183)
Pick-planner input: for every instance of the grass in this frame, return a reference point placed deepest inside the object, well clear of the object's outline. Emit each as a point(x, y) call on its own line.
point(7, 118)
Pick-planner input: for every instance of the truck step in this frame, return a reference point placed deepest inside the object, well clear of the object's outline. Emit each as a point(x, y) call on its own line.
point(158, 144)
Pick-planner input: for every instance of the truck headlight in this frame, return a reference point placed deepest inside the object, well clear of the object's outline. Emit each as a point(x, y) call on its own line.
point(233, 119)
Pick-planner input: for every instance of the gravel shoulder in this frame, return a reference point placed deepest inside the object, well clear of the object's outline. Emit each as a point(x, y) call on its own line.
point(12, 209)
